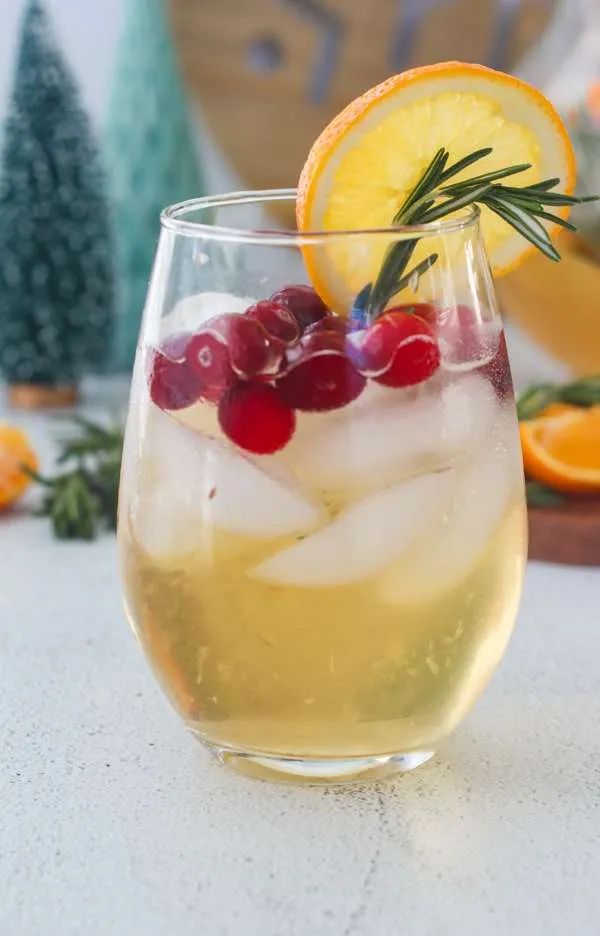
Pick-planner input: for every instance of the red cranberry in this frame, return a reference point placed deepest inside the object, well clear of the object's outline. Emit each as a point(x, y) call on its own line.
point(323, 340)
point(207, 354)
point(173, 384)
point(252, 349)
point(425, 310)
point(175, 346)
point(254, 416)
point(320, 376)
point(331, 323)
point(498, 373)
point(304, 303)
point(398, 350)
point(463, 336)
point(276, 319)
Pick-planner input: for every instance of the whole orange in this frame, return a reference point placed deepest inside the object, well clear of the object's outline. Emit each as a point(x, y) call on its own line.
point(15, 454)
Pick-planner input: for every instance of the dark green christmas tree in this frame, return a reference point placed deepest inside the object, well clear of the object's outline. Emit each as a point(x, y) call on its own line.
point(56, 275)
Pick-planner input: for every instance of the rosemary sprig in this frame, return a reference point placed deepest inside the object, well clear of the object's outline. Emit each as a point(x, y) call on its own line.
point(538, 495)
point(584, 392)
point(434, 197)
point(82, 499)
point(535, 399)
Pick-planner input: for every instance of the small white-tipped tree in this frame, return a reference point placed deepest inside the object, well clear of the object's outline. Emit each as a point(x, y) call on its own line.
point(56, 272)
point(151, 154)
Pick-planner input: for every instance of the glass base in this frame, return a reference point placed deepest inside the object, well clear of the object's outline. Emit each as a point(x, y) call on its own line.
point(320, 771)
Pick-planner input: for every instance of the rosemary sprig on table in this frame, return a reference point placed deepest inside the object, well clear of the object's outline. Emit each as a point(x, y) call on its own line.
point(82, 499)
point(435, 196)
point(539, 495)
point(584, 392)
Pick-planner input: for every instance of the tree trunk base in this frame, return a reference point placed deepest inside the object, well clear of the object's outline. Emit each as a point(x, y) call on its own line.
point(42, 396)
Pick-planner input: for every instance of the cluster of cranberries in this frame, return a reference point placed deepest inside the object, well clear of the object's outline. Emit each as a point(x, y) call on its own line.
point(284, 354)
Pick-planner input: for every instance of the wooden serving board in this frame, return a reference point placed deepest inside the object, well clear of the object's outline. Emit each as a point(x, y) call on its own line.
point(569, 534)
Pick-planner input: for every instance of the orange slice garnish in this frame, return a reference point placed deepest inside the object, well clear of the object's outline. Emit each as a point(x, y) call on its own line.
point(561, 448)
point(371, 155)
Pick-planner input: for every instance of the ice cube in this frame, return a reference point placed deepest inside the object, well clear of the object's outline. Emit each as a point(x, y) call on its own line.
point(192, 312)
point(364, 538)
point(390, 435)
point(482, 494)
point(189, 483)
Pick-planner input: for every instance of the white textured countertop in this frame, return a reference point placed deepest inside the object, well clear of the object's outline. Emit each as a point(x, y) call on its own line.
point(114, 821)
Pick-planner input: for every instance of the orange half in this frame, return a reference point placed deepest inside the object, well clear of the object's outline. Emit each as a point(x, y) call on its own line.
point(561, 448)
point(371, 155)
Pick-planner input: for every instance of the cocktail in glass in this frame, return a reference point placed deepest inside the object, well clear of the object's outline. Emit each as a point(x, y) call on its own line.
point(322, 519)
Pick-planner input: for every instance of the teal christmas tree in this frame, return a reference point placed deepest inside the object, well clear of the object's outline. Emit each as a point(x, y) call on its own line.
point(56, 276)
point(151, 155)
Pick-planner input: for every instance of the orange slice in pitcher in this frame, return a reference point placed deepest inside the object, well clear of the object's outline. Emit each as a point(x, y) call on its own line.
point(371, 155)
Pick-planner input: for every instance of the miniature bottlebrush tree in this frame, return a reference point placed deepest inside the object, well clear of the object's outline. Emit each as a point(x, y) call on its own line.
point(151, 154)
point(56, 278)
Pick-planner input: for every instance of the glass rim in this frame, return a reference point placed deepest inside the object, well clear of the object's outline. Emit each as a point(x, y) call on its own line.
point(173, 218)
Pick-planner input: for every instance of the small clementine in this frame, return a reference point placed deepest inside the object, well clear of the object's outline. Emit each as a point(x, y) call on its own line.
point(15, 454)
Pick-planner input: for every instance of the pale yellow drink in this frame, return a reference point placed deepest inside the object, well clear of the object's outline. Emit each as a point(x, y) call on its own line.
point(371, 627)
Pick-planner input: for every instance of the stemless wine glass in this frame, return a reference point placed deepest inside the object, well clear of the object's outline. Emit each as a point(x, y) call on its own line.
point(322, 520)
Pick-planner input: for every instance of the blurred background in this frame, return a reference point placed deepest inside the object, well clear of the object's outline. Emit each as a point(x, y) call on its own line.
point(111, 110)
